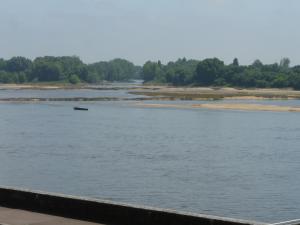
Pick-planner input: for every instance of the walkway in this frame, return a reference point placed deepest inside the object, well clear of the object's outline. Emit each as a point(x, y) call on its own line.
point(21, 217)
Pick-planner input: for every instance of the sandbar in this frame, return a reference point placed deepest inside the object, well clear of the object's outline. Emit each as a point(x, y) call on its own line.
point(225, 106)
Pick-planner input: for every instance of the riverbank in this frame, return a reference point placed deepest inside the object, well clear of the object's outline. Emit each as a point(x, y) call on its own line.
point(168, 93)
point(67, 86)
point(222, 106)
point(40, 86)
point(210, 93)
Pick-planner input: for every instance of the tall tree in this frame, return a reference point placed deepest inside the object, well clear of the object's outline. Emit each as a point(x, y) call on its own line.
point(45, 71)
point(235, 62)
point(208, 71)
point(285, 62)
point(17, 64)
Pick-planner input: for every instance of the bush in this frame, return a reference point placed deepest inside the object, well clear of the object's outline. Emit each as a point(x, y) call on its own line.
point(74, 79)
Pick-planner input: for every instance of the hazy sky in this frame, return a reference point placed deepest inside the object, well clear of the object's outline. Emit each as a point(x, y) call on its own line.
point(140, 30)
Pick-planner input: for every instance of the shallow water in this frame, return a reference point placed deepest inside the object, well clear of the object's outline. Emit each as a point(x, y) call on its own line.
point(63, 93)
point(228, 163)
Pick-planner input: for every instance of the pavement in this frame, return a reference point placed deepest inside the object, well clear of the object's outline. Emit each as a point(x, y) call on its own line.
point(10, 216)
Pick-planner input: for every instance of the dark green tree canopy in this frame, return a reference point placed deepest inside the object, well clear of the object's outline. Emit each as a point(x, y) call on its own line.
point(2, 64)
point(117, 69)
point(65, 69)
point(213, 72)
point(257, 64)
point(17, 64)
point(285, 62)
point(208, 71)
point(235, 62)
point(46, 71)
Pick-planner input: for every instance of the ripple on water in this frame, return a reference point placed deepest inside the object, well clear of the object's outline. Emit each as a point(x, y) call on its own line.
point(227, 163)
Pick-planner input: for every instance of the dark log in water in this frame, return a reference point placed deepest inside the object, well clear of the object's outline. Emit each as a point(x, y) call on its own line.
point(80, 108)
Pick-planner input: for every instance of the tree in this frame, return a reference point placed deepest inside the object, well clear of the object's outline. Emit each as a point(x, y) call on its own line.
point(295, 81)
point(149, 71)
point(257, 64)
point(7, 77)
point(235, 62)
point(114, 70)
point(74, 79)
point(285, 63)
point(208, 71)
point(44, 71)
point(280, 81)
point(178, 77)
point(17, 64)
point(82, 72)
point(2, 64)
point(22, 77)
point(4, 77)
point(180, 72)
point(93, 78)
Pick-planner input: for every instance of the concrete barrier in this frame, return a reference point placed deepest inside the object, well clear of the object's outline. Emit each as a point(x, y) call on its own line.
point(102, 211)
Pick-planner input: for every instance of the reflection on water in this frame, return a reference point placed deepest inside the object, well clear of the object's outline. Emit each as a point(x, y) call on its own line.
point(228, 163)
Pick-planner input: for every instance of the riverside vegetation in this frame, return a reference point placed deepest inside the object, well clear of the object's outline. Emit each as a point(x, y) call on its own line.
point(213, 72)
point(66, 69)
point(183, 72)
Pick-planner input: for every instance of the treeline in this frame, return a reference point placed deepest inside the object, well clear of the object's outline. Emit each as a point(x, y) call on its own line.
point(65, 69)
point(208, 72)
point(213, 72)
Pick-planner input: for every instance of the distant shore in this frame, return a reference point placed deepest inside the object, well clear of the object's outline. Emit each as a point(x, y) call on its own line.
point(172, 93)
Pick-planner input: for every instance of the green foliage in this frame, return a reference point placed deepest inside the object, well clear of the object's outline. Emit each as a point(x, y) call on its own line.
point(208, 71)
point(51, 68)
point(2, 64)
point(295, 80)
point(235, 62)
point(150, 71)
point(114, 70)
point(65, 69)
point(6, 77)
point(93, 78)
point(213, 72)
point(177, 73)
point(18, 64)
point(280, 81)
point(257, 64)
point(74, 79)
point(46, 71)
point(21, 77)
point(285, 62)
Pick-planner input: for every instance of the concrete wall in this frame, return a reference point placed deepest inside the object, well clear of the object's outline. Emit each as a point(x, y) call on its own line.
point(104, 211)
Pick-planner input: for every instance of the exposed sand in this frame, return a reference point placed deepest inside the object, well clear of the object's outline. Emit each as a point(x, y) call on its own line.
point(246, 107)
point(252, 107)
point(196, 93)
point(182, 93)
point(259, 98)
point(28, 86)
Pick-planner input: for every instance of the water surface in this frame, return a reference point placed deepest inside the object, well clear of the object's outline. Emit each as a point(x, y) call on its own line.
point(239, 164)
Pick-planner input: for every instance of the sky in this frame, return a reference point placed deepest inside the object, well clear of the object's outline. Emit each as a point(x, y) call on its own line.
point(141, 30)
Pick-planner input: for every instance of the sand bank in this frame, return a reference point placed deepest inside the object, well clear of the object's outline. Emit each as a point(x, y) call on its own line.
point(245, 107)
point(198, 93)
point(28, 86)
point(174, 93)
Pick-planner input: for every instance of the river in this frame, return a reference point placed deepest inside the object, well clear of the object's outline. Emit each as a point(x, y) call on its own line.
point(242, 164)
